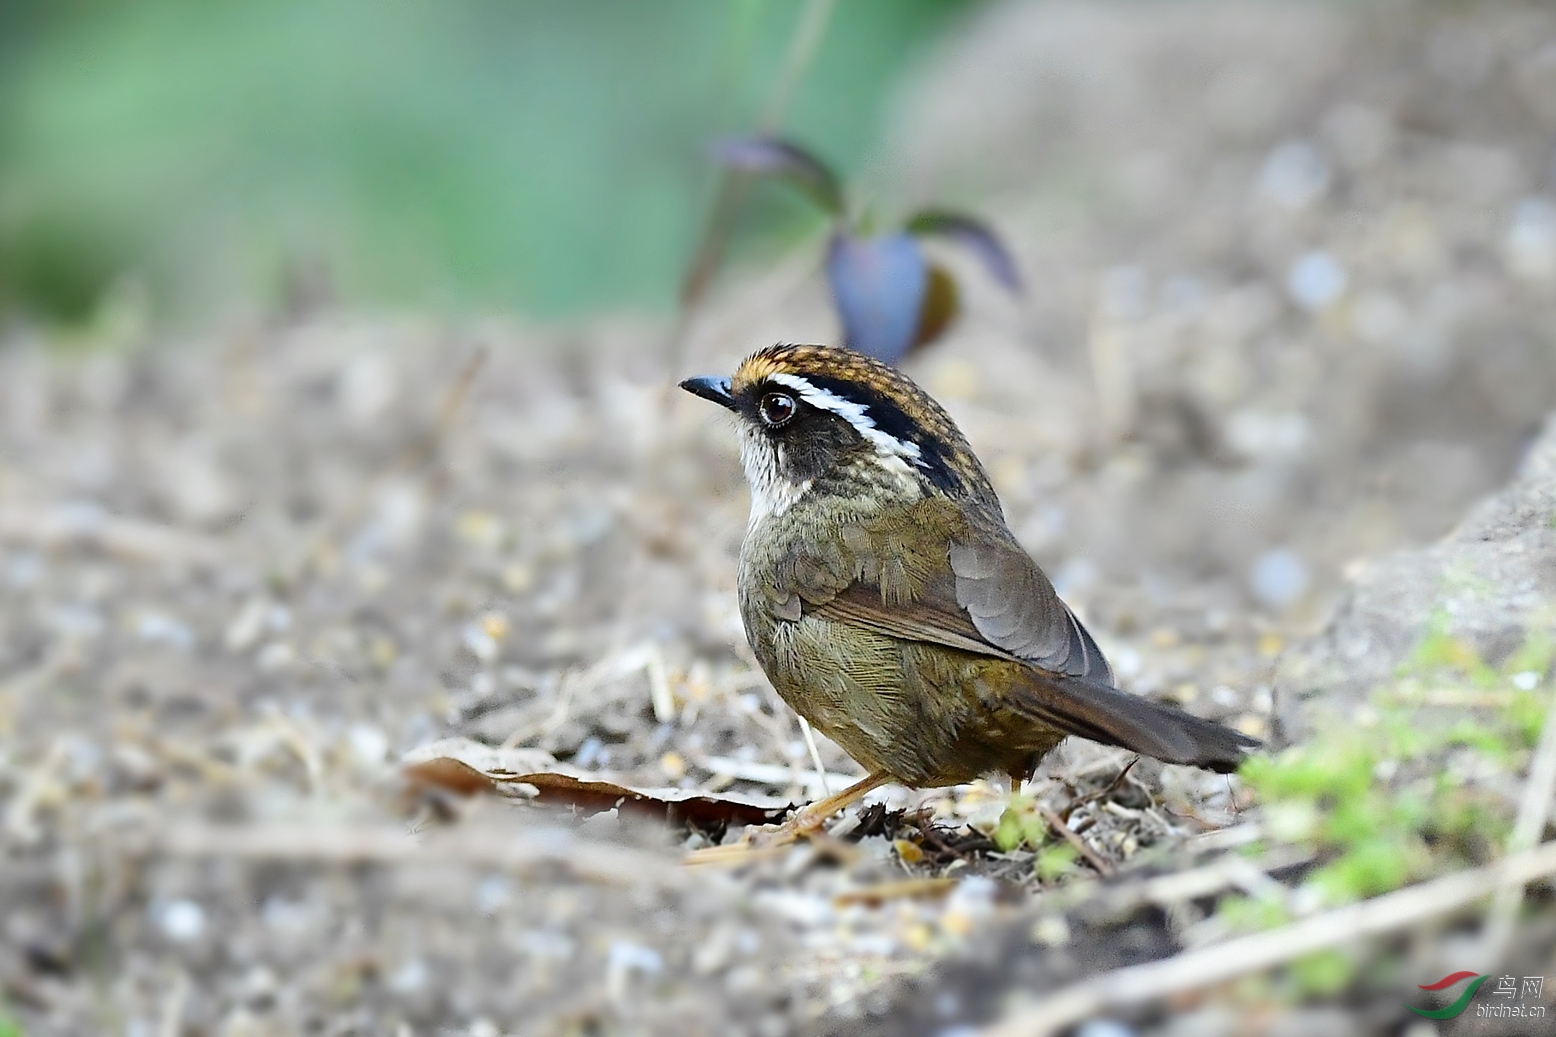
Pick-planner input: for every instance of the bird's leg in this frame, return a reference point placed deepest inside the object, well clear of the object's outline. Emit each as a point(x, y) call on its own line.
point(815, 815)
point(800, 824)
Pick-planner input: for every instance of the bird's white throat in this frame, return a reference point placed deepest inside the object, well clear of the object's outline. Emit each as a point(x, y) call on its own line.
point(772, 493)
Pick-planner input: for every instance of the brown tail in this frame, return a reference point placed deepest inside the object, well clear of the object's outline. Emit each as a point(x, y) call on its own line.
point(1104, 714)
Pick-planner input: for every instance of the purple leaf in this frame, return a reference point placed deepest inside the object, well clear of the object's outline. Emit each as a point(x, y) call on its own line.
point(974, 235)
point(773, 156)
point(878, 285)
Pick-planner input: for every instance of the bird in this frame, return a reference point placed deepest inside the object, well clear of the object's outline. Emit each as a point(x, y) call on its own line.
point(890, 605)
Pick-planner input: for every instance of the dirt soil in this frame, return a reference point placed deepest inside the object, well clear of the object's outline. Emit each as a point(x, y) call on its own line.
point(1292, 286)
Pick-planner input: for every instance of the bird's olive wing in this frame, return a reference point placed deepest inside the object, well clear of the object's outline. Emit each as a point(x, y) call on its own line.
point(1015, 608)
point(983, 595)
point(860, 606)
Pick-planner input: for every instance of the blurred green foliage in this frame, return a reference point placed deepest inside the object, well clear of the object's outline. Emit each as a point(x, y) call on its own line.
point(1401, 796)
point(548, 155)
point(1021, 826)
point(1392, 801)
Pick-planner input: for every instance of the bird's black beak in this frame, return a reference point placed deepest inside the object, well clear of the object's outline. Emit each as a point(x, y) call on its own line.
point(710, 388)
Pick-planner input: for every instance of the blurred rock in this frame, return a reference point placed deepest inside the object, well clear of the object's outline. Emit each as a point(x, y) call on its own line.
point(1488, 580)
point(1530, 246)
point(1316, 280)
point(181, 920)
point(1279, 577)
point(368, 387)
point(1361, 136)
point(1295, 176)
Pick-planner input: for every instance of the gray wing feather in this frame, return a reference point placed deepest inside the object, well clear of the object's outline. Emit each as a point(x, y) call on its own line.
point(1015, 608)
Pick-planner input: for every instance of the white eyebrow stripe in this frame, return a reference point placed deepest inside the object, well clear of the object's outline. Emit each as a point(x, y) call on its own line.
point(855, 413)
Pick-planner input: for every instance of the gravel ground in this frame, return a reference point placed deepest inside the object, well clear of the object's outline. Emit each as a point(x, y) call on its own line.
point(1292, 281)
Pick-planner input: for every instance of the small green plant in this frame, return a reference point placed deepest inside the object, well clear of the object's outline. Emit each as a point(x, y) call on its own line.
point(1391, 799)
point(1022, 825)
point(1324, 973)
point(890, 298)
point(1055, 861)
point(1439, 650)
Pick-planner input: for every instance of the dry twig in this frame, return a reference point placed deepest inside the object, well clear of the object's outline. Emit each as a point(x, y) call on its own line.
point(1533, 809)
point(1194, 970)
point(1056, 823)
point(611, 863)
point(132, 540)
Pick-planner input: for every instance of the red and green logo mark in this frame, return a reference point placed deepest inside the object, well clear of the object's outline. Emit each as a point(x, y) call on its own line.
point(1457, 1008)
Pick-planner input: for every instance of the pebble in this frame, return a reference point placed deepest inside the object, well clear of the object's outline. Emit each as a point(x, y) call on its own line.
point(1266, 435)
point(1127, 662)
point(1295, 175)
point(76, 622)
point(247, 626)
point(881, 945)
point(23, 570)
point(480, 643)
point(408, 978)
point(1316, 281)
point(1051, 931)
point(1123, 292)
point(181, 920)
point(547, 943)
point(1361, 136)
point(1280, 576)
point(1076, 576)
point(804, 909)
point(589, 752)
point(160, 628)
point(626, 958)
point(1104, 1028)
point(1378, 318)
point(367, 387)
point(291, 918)
point(369, 745)
point(275, 656)
point(1529, 249)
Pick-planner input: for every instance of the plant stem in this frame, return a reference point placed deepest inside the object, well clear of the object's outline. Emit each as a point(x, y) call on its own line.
point(803, 45)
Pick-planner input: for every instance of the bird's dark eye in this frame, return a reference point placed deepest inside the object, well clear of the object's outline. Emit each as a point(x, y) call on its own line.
point(776, 408)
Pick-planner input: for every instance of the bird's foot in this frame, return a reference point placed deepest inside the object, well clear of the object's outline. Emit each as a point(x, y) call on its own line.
point(759, 843)
point(769, 840)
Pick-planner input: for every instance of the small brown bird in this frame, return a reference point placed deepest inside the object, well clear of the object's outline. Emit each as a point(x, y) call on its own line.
point(890, 605)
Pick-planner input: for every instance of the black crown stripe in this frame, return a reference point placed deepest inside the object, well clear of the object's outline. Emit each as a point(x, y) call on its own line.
point(894, 421)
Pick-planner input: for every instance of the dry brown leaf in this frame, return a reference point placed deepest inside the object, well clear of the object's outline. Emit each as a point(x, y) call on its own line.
point(466, 767)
